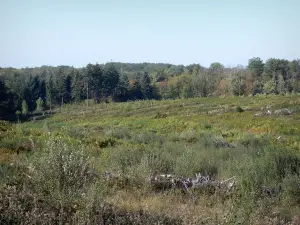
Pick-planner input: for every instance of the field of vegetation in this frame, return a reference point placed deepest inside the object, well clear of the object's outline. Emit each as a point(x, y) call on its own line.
point(52, 166)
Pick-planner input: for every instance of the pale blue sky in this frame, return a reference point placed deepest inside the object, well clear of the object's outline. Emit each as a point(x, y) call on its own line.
point(61, 32)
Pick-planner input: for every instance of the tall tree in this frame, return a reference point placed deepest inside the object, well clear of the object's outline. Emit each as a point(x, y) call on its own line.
point(146, 87)
point(50, 92)
point(238, 82)
point(16, 84)
point(274, 68)
point(256, 67)
point(110, 80)
point(216, 68)
point(77, 87)
point(42, 90)
point(122, 92)
point(295, 75)
point(135, 89)
point(6, 104)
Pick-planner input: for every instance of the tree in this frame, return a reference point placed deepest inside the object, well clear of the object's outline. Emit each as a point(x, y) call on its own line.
point(174, 70)
point(202, 85)
point(50, 91)
point(6, 104)
point(159, 76)
point(295, 75)
point(256, 67)
point(68, 81)
point(94, 80)
point(258, 87)
point(193, 68)
point(39, 105)
point(216, 68)
point(173, 92)
point(24, 108)
point(61, 84)
point(43, 90)
point(269, 87)
point(110, 80)
point(122, 92)
point(16, 85)
point(223, 87)
point(274, 68)
point(77, 87)
point(238, 82)
point(146, 87)
point(281, 85)
point(187, 91)
point(135, 89)
point(32, 92)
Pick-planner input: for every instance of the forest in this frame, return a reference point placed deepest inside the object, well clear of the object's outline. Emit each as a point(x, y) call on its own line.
point(26, 91)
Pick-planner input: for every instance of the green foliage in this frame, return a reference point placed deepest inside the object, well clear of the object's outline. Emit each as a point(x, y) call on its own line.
point(24, 108)
point(137, 140)
point(239, 109)
point(146, 87)
point(39, 105)
point(121, 82)
point(238, 83)
point(269, 87)
point(256, 66)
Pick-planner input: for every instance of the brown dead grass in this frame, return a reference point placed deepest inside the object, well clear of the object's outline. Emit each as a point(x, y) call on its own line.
point(6, 155)
point(192, 210)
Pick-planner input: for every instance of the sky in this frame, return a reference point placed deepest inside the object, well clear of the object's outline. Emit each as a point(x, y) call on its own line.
point(75, 33)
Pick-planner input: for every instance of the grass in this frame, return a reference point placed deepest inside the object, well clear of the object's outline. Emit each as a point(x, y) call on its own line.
point(220, 137)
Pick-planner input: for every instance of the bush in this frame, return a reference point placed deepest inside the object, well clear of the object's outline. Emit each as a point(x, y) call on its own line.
point(4, 126)
point(210, 140)
point(119, 133)
point(147, 138)
point(239, 109)
point(189, 136)
point(291, 190)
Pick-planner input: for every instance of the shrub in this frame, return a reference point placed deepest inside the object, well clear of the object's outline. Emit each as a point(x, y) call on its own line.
point(189, 136)
point(160, 115)
point(291, 190)
point(119, 133)
point(4, 126)
point(239, 109)
point(147, 138)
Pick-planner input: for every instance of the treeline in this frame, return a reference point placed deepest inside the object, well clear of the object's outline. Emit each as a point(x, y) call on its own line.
point(28, 90)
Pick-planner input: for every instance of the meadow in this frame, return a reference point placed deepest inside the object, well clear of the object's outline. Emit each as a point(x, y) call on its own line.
point(51, 166)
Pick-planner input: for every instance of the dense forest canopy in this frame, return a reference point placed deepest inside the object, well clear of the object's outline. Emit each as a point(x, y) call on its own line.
point(28, 90)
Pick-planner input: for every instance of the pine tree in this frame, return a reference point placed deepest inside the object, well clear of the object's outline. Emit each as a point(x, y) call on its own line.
point(146, 87)
point(110, 80)
point(122, 90)
point(6, 105)
point(50, 92)
point(135, 90)
point(32, 92)
point(77, 87)
point(42, 90)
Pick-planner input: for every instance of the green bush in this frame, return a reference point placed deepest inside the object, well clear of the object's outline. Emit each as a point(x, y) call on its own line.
point(239, 109)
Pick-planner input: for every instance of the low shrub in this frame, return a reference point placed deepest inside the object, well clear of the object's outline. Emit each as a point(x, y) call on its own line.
point(239, 109)
point(147, 138)
point(119, 133)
